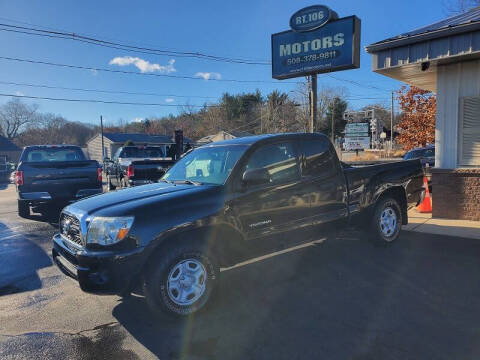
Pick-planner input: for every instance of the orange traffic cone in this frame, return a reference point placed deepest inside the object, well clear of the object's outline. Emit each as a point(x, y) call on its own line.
point(426, 205)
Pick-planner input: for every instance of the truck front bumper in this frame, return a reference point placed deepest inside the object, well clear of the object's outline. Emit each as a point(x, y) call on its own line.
point(100, 272)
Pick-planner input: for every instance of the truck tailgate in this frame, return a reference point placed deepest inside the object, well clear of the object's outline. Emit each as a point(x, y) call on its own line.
point(151, 169)
point(59, 179)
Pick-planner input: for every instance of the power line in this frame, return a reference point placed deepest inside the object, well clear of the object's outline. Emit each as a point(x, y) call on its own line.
point(357, 83)
point(145, 93)
point(103, 91)
point(247, 125)
point(124, 46)
point(101, 101)
point(162, 52)
point(353, 98)
point(140, 73)
point(124, 92)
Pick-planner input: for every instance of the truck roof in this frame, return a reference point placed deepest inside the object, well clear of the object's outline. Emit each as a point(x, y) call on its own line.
point(51, 146)
point(250, 140)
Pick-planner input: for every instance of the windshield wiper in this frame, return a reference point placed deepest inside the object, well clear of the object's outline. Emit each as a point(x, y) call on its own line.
point(167, 181)
point(189, 182)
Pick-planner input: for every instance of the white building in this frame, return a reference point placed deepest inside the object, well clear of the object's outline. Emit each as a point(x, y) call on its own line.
point(444, 57)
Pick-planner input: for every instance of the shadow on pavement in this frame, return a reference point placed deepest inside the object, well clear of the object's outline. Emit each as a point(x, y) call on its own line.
point(20, 258)
point(344, 299)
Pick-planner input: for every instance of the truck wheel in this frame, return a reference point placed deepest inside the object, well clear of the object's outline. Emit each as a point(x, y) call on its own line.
point(386, 222)
point(111, 187)
point(23, 209)
point(181, 280)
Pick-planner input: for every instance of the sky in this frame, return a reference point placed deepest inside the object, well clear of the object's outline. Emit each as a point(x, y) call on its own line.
point(239, 29)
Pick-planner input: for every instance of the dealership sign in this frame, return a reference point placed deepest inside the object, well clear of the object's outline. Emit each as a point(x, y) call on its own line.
point(317, 43)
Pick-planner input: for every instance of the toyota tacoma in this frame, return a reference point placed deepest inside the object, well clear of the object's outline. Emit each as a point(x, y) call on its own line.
point(220, 205)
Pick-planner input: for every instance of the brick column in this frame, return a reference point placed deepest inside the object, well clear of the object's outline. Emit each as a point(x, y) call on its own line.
point(456, 193)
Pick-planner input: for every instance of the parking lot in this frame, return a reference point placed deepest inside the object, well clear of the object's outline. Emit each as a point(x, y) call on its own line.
point(340, 298)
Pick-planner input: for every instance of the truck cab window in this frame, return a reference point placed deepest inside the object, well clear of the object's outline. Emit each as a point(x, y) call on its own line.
point(279, 160)
point(53, 154)
point(318, 160)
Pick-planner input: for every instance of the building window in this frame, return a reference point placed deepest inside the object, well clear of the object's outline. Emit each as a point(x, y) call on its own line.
point(469, 132)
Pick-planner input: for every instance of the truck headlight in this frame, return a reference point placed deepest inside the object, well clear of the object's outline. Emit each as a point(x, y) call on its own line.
point(108, 230)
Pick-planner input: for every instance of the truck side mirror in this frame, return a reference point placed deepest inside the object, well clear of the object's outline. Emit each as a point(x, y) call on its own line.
point(256, 177)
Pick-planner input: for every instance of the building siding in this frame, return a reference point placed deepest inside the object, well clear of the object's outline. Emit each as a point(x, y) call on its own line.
point(94, 147)
point(429, 50)
point(453, 82)
point(12, 156)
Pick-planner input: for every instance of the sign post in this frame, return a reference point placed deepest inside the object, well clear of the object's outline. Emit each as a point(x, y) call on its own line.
point(313, 105)
point(101, 131)
point(319, 42)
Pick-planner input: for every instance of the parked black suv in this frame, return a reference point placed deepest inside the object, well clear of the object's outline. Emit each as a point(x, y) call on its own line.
point(221, 204)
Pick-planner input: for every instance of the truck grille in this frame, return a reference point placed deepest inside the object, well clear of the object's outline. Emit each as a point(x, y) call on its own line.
point(70, 228)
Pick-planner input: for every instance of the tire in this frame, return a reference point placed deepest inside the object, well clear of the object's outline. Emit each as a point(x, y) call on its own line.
point(23, 209)
point(386, 222)
point(110, 186)
point(166, 285)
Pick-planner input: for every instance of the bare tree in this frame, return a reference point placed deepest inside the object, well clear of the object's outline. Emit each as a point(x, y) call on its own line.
point(54, 129)
point(302, 99)
point(325, 97)
point(16, 116)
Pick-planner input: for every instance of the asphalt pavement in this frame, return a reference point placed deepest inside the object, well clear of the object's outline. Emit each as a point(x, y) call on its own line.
point(342, 298)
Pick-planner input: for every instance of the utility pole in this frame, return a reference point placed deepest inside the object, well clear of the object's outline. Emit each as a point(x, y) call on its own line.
point(391, 125)
point(332, 135)
point(313, 103)
point(101, 131)
point(261, 119)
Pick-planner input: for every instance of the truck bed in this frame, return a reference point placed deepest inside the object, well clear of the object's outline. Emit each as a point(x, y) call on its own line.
point(365, 182)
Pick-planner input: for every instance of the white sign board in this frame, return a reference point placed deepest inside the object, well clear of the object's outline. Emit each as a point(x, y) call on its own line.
point(357, 143)
point(356, 130)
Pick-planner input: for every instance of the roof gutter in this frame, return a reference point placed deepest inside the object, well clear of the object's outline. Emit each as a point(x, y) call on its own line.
point(408, 40)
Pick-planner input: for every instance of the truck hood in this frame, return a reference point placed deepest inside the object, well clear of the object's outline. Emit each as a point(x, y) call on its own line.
point(122, 202)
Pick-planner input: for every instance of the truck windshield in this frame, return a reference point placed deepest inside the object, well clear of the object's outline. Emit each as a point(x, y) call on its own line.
point(208, 165)
point(52, 154)
point(141, 152)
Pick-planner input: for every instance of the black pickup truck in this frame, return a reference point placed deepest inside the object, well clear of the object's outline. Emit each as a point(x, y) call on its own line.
point(220, 205)
point(48, 177)
point(136, 165)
